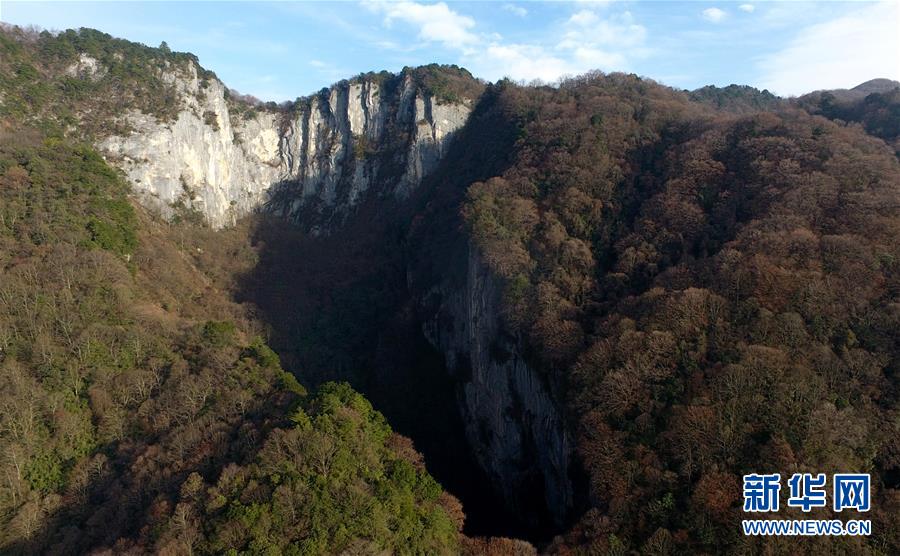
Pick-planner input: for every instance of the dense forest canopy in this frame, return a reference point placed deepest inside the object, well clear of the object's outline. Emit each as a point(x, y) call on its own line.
point(140, 411)
point(709, 281)
point(717, 293)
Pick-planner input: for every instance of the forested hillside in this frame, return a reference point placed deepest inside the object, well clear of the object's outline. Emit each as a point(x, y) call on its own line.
point(718, 295)
point(687, 287)
point(56, 79)
point(141, 412)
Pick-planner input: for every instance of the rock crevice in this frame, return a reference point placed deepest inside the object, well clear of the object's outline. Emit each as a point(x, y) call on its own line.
point(512, 423)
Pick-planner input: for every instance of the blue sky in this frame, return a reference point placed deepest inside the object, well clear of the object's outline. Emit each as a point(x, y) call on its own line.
point(282, 50)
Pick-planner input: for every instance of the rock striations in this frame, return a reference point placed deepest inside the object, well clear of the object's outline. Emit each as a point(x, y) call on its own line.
point(513, 426)
point(312, 161)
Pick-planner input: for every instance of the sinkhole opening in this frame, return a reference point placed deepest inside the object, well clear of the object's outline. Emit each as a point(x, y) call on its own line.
point(338, 309)
point(419, 399)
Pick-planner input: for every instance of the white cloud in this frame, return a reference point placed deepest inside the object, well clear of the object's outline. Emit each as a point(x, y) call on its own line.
point(436, 22)
point(840, 53)
point(584, 18)
point(521, 61)
point(515, 9)
point(714, 15)
point(590, 57)
point(585, 29)
point(593, 41)
point(747, 8)
point(317, 63)
point(587, 40)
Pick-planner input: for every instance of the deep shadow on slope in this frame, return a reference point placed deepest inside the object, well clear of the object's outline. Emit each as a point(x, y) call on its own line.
point(337, 311)
point(339, 308)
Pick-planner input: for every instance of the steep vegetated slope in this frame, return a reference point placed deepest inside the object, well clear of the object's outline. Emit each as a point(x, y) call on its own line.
point(593, 306)
point(140, 413)
point(711, 295)
point(139, 409)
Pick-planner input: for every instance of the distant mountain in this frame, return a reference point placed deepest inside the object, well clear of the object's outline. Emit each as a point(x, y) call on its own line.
point(859, 92)
point(880, 85)
point(874, 104)
point(737, 98)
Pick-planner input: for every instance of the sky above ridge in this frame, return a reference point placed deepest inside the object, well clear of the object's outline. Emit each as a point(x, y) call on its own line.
point(282, 50)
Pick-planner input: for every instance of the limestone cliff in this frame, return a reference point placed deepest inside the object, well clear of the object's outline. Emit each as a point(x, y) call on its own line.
point(312, 162)
point(206, 159)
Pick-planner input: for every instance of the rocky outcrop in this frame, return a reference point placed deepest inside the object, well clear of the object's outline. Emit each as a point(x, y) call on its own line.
point(312, 163)
point(370, 136)
point(87, 67)
point(205, 160)
point(512, 423)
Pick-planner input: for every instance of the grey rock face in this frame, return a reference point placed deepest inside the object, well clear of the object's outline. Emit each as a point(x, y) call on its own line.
point(87, 67)
point(312, 164)
point(512, 423)
point(204, 160)
point(358, 139)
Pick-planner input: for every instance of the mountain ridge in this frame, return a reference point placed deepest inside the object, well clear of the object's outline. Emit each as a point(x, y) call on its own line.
point(259, 155)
